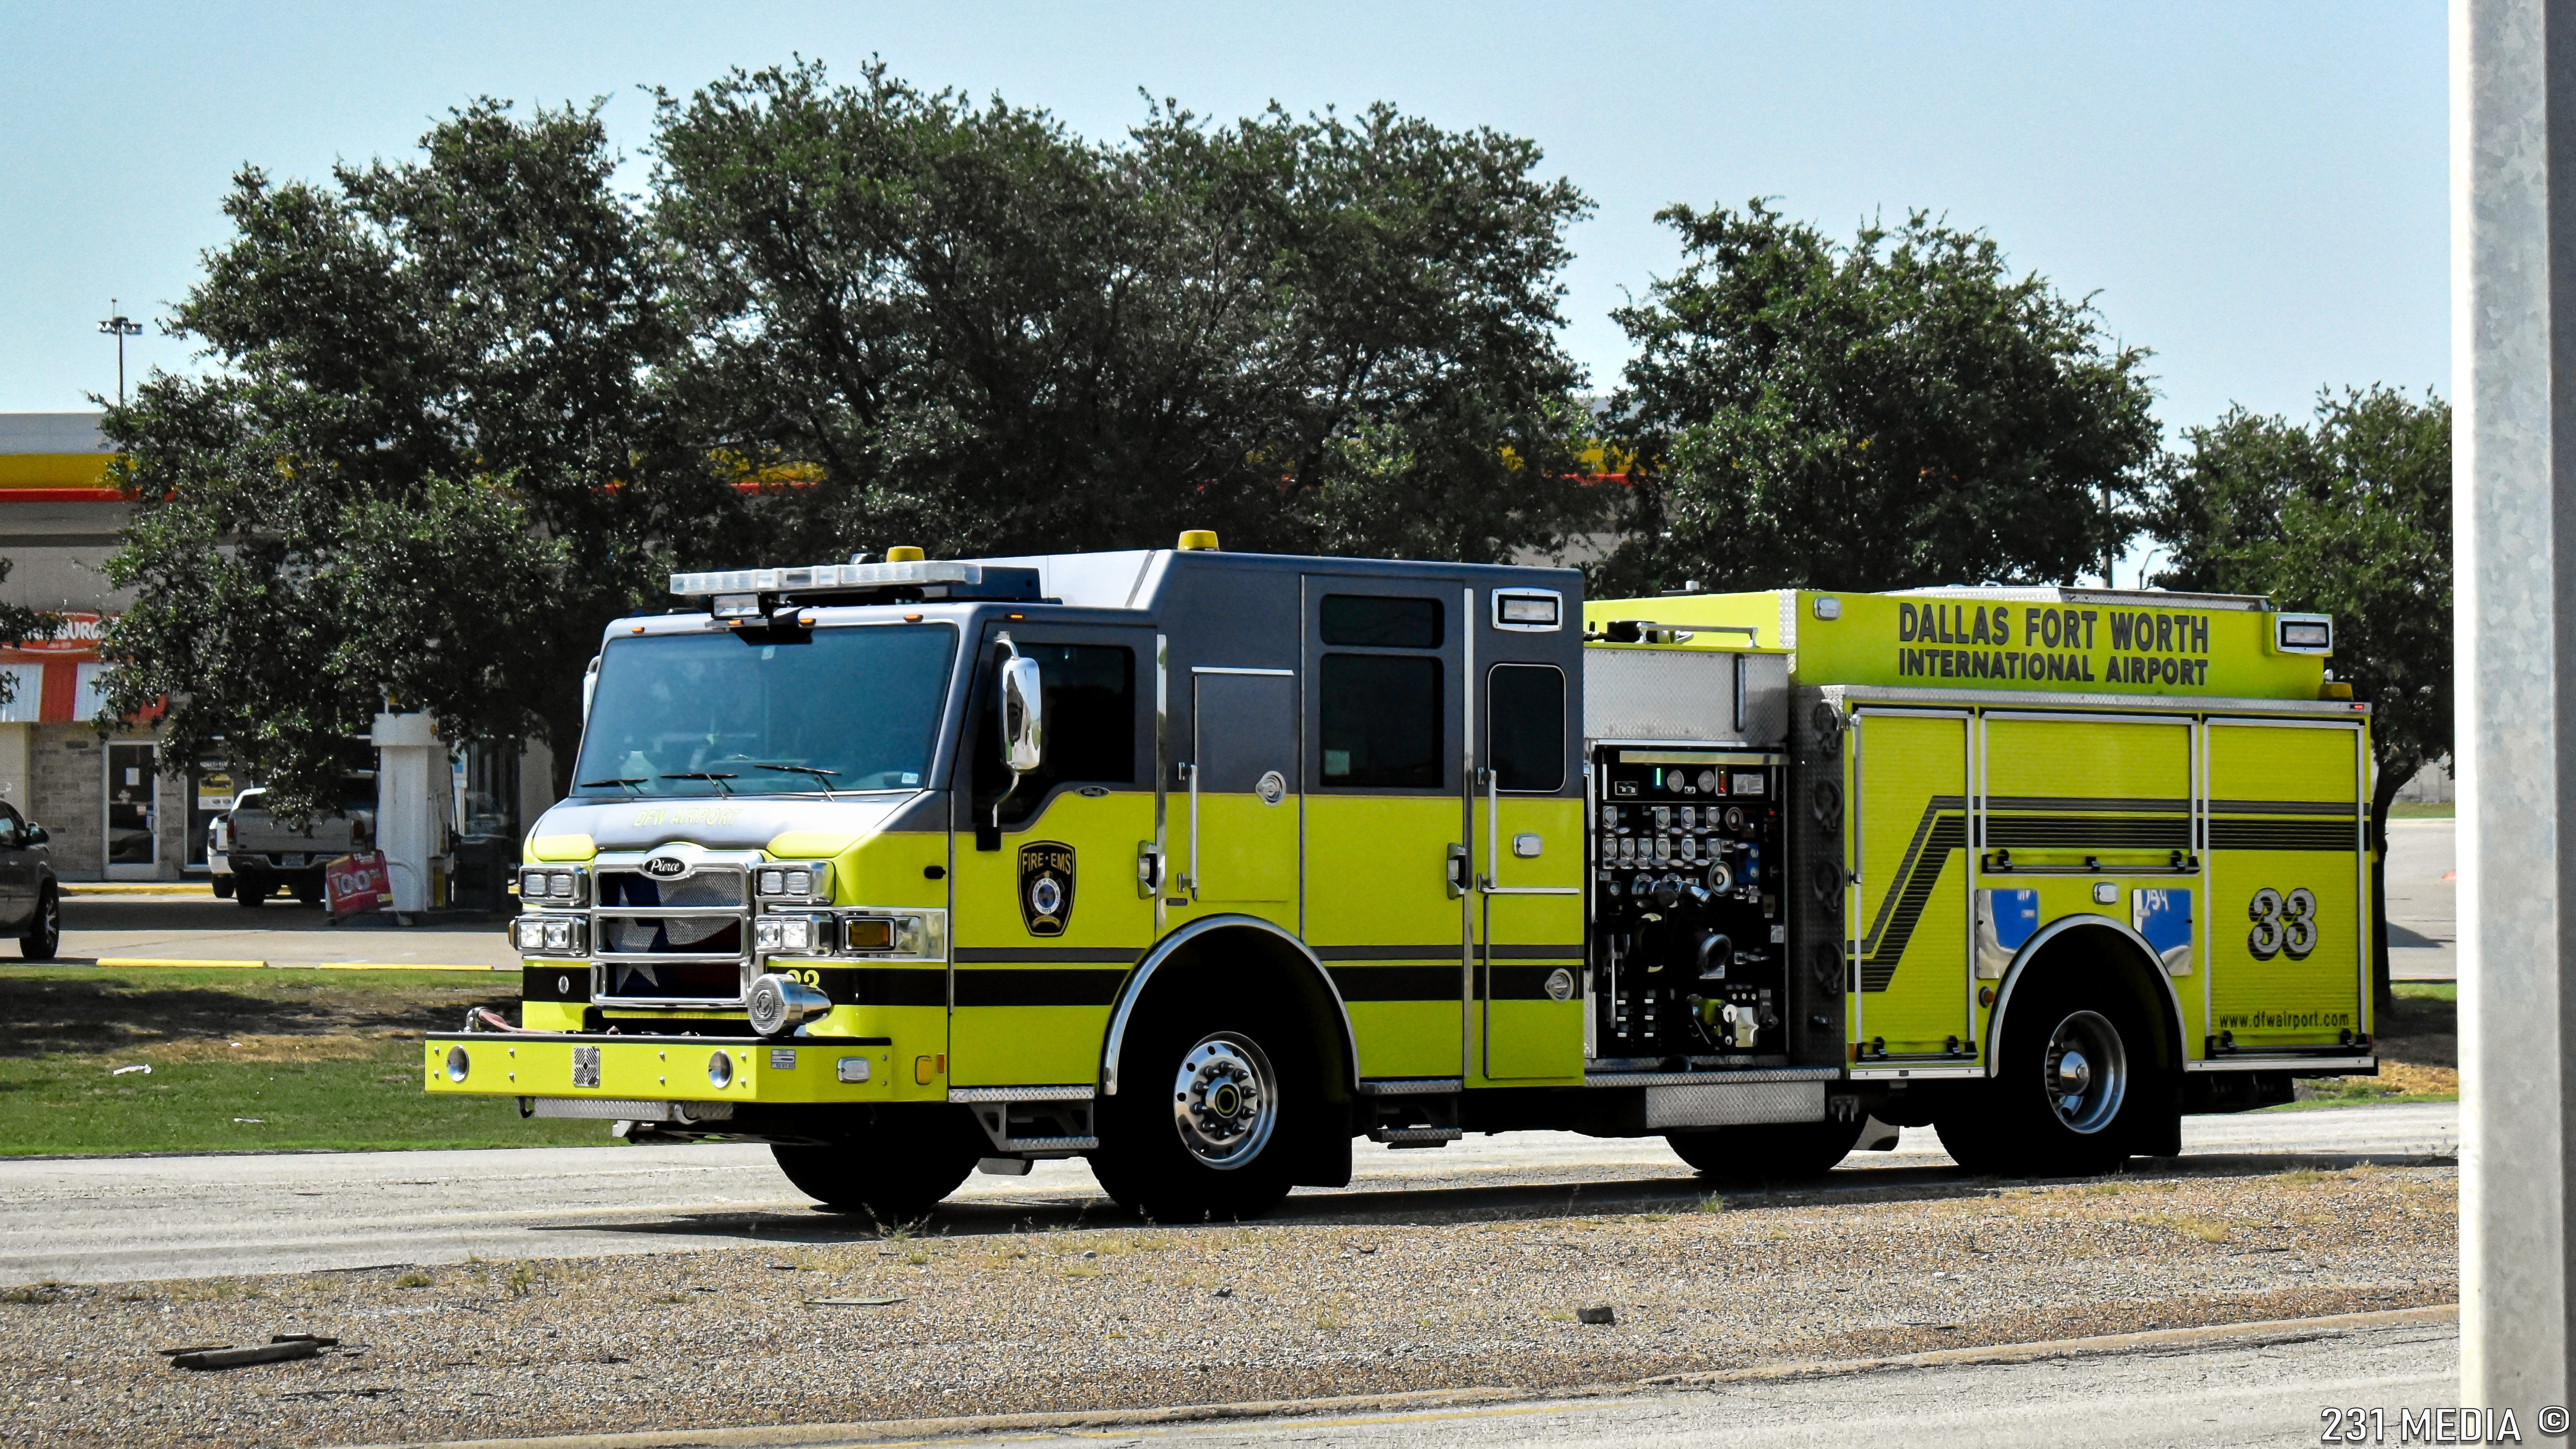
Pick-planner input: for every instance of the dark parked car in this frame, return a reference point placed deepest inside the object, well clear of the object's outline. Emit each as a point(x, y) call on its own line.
point(31, 899)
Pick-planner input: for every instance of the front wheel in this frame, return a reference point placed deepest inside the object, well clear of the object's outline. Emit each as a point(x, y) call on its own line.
point(1198, 1132)
point(44, 932)
point(895, 1170)
point(2070, 1097)
point(1770, 1152)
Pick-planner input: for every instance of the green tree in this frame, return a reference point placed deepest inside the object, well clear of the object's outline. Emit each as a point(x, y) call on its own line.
point(1894, 413)
point(962, 326)
point(425, 465)
point(2349, 516)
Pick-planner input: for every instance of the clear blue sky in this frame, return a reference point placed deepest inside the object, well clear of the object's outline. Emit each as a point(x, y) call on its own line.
point(2256, 193)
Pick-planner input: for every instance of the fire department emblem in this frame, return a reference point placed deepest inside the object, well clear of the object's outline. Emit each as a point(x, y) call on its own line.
point(1046, 887)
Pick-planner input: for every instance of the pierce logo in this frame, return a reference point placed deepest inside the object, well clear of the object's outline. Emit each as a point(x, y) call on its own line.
point(666, 866)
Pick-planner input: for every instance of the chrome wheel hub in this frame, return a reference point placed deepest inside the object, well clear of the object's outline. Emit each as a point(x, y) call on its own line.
point(2086, 1072)
point(1225, 1100)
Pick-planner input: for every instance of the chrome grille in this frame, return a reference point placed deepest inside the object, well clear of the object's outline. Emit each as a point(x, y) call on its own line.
point(683, 940)
point(671, 935)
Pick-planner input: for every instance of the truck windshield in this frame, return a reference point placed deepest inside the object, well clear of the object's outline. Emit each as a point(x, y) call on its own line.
point(729, 714)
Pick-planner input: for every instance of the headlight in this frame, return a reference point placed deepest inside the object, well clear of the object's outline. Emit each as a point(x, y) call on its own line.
point(551, 887)
point(560, 935)
point(792, 933)
point(799, 882)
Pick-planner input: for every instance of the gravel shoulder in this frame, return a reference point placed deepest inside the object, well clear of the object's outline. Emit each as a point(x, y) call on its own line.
point(1056, 1318)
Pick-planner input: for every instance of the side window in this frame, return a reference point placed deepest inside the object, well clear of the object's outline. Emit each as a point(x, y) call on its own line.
point(1381, 724)
point(1089, 694)
point(1525, 724)
point(11, 832)
point(1369, 621)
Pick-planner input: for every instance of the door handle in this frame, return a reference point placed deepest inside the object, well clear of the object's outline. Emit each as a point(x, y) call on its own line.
point(1457, 870)
point(1190, 882)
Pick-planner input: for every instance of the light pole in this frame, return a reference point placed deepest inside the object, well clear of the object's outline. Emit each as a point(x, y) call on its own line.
point(120, 326)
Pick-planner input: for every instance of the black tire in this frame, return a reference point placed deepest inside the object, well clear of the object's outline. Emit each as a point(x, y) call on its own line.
point(1771, 1152)
point(45, 930)
point(250, 892)
point(1201, 1127)
point(223, 886)
point(2074, 1092)
point(893, 1171)
point(312, 892)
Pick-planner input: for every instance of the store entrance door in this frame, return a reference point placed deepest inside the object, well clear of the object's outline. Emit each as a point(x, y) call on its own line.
point(133, 812)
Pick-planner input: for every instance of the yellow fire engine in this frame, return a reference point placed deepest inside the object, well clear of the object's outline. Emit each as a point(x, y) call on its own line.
point(1204, 865)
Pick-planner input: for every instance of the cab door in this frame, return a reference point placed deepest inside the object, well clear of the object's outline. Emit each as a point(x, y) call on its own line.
point(1386, 866)
point(1529, 871)
point(1048, 910)
point(1240, 853)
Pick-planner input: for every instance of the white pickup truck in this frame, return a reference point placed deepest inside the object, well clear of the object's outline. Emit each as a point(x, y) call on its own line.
point(256, 854)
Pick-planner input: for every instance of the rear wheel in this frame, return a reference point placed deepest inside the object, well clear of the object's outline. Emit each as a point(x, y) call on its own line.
point(1198, 1130)
point(1770, 1152)
point(2069, 1096)
point(893, 1171)
point(45, 931)
point(311, 892)
point(223, 885)
point(250, 892)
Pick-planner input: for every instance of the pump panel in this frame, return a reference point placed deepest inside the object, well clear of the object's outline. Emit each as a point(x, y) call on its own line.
point(1689, 943)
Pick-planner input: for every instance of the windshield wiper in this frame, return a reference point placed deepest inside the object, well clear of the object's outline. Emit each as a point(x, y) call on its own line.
point(636, 785)
point(710, 776)
point(822, 776)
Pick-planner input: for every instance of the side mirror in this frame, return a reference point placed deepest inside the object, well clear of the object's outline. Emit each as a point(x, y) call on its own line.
point(36, 834)
point(589, 687)
point(1023, 715)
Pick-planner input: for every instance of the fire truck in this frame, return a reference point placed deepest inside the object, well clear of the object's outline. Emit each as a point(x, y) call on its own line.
point(1204, 866)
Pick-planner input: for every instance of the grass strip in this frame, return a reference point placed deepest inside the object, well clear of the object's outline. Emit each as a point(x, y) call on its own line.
point(343, 1093)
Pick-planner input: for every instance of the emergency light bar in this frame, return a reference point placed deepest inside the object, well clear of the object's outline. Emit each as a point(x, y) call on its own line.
point(827, 576)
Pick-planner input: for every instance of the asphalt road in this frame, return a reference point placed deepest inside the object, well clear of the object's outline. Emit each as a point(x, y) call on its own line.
point(201, 928)
point(122, 1219)
point(2423, 902)
point(2237, 1393)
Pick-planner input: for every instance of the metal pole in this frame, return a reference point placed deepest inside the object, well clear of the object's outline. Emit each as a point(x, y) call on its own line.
point(2513, 358)
point(2108, 547)
point(120, 326)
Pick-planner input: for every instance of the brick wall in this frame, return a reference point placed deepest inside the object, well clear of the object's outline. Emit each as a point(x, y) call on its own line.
point(68, 797)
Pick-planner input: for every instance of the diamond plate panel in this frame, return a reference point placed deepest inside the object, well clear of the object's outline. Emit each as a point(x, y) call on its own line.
point(1733, 1104)
point(1684, 694)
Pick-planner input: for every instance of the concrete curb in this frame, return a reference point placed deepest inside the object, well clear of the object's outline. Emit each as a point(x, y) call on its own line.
point(825, 1436)
point(138, 888)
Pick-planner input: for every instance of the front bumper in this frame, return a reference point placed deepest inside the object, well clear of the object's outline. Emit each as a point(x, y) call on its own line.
point(579, 1066)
